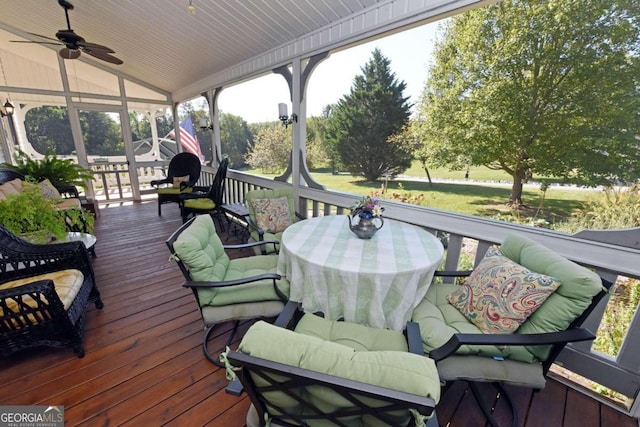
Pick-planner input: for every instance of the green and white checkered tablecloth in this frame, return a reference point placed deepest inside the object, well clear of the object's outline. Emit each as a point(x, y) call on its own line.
point(375, 282)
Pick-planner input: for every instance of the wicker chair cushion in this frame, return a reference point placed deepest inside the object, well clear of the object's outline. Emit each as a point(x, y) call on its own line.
point(10, 187)
point(69, 203)
point(48, 190)
point(356, 336)
point(396, 370)
point(67, 284)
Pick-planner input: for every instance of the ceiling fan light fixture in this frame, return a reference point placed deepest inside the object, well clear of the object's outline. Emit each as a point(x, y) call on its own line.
point(191, 9)
point(67, 53)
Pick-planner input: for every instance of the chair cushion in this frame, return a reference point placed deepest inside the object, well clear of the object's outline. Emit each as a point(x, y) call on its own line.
point(272, 215)
point(203, 203)
point(500, 294)
point(69, 203)
point(396, 370)
point(359, 337)
point(48, 190)
point(179, 179)
point(201, 250)
point(247, 310)
point(67, 283)
point(487, 369)
point(11, 187)
point(261, 290)
point(439, 320)
point(169, 190)
point(579, 286)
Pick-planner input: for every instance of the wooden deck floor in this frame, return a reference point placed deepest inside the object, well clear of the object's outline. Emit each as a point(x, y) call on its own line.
point(144, 365)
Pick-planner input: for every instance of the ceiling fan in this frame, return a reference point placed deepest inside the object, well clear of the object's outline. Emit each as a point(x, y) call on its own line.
point(73, 44)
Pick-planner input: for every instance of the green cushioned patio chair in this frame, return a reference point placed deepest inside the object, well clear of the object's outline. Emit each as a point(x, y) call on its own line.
point(206, 200)
point(464, 351)
point(182, 175)
point(225, 289)
point(305, 370)
point(270, 213)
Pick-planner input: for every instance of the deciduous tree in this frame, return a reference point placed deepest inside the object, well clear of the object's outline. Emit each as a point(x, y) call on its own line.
point(538, 87)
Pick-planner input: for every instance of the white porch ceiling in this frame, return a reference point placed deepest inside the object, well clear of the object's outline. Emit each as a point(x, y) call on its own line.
point(163, 45)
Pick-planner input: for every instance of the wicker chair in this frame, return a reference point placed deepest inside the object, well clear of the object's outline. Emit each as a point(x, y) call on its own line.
point(181, 165)
point(44, 293)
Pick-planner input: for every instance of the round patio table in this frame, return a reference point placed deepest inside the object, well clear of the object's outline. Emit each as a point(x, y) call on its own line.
point(376, 282)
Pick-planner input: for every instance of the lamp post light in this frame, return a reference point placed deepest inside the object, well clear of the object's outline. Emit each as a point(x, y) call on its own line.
point(283, 115)
point(7, 109)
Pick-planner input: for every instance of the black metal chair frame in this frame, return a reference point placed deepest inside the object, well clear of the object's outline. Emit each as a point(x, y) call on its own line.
point(285, 378)
point(194, 286)
point(48, 323)
point(215, 192)
point(182, 164)
point(557, 340)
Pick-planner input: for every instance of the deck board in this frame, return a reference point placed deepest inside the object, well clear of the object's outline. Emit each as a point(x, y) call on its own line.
point(144, 364)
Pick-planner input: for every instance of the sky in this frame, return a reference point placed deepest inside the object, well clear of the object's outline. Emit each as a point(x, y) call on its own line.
point(409, 52)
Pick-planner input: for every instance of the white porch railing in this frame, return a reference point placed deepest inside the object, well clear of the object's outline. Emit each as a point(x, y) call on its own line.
point(620, 373)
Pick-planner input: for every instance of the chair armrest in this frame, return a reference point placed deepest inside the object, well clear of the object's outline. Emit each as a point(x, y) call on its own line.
point(188, 184)
point(452, 273)
point(414, 340)
point(157, 182)
point(46, 299)
point(286, 317)
point(226, 283)
point(68, 191)
point(253, 225)
point(252, 244)
point(458, 340)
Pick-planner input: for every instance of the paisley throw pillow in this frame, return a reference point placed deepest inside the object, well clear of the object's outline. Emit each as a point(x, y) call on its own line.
point(272, 215)
point(500, 294)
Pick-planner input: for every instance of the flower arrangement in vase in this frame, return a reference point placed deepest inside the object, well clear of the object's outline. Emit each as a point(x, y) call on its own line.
point(366, 209)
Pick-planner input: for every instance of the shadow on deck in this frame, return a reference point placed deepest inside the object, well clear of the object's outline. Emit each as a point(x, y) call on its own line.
point(144, 364)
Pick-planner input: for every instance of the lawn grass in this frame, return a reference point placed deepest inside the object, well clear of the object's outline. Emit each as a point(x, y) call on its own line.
point(486, 199)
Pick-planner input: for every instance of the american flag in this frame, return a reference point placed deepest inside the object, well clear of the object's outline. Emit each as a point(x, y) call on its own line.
point(188, 137)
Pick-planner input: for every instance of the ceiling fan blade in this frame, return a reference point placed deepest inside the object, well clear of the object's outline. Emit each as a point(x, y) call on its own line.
point(44, 37)
point(95, 46)
point(29, 41)
point(104, 56)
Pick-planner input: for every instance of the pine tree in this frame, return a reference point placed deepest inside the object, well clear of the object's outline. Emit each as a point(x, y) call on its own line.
point(363, 121)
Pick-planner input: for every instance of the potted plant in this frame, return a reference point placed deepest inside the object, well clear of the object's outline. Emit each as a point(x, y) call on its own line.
point(60, 172)
point(37, 219)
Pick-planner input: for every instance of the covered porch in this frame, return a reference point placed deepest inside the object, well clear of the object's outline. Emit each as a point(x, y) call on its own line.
point(144, 363)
